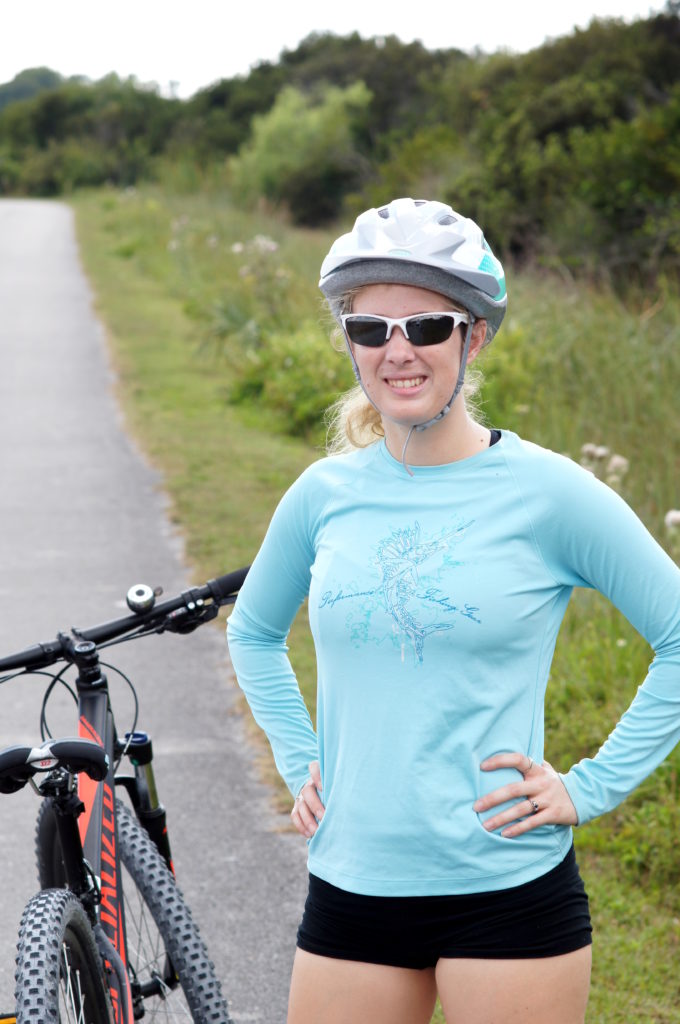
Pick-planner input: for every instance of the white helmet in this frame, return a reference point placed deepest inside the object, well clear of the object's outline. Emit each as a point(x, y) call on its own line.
point(423, 243)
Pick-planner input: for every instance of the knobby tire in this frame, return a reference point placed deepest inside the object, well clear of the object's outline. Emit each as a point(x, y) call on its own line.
point(59, 974)
point(158, 923)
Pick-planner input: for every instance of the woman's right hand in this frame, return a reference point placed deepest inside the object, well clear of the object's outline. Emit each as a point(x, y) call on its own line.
point(308, 810)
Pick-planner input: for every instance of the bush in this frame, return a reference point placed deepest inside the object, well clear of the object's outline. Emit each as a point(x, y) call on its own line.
point(302, 153)
point(298, 374)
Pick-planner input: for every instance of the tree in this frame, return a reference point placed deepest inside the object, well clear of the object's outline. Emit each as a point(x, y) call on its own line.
point(303, 153)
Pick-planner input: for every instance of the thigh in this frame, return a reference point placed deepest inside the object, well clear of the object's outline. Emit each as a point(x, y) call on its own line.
point(325, 990)
point(545, 990)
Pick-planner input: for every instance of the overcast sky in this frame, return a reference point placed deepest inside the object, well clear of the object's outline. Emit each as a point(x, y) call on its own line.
point(197, 42)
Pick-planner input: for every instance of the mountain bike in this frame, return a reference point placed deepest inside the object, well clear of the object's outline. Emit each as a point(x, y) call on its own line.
point(109, 938)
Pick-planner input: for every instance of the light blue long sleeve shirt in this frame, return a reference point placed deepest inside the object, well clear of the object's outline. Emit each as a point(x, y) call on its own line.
point(435, 603)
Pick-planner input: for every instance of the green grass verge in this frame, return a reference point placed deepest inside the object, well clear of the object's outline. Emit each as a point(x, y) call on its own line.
point(574, 366)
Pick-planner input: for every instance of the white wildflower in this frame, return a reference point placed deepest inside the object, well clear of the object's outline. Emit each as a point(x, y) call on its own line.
point(618, 464)
point(621, 642)
point(173, 245)
point(589, 450)
point(262, 243)
point(237, 247)
point(672, 519)
point(601, 452)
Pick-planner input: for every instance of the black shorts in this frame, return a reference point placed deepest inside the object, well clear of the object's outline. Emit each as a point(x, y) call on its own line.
point(545, 917)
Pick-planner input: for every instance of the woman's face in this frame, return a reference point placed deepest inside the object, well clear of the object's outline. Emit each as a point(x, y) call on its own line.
point(409, 384)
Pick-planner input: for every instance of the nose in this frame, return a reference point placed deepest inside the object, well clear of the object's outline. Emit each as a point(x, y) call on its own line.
point(398, 347)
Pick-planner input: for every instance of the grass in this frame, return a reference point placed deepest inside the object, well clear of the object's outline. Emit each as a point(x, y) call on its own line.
point(572, 365)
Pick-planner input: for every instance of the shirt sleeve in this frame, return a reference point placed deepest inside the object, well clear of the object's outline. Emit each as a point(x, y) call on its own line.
point(257, 632)
point(592, 538)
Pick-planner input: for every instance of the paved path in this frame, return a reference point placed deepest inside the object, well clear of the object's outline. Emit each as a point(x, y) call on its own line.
point(82, 517)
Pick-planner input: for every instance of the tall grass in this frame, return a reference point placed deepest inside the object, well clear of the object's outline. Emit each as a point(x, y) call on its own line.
point(219, 340)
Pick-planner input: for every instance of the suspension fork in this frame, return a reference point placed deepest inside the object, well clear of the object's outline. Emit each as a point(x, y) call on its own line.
point(143, 793)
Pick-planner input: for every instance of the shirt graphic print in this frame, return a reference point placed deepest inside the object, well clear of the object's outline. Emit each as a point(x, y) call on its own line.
point(414, 575)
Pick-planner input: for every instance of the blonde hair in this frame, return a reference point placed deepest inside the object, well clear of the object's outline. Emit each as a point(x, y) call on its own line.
point(352, 421)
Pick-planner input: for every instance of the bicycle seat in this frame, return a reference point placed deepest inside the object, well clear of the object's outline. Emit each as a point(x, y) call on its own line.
point(19, 764)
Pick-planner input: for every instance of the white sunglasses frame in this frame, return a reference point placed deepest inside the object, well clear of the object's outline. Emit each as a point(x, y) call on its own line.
point(402, 321)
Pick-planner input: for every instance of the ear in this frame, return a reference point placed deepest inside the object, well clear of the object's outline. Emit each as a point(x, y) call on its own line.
point(477, 340)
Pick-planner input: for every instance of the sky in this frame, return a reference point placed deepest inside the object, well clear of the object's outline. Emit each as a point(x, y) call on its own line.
point(183, 47)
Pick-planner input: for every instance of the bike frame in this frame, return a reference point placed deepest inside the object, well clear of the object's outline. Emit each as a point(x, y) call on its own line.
point(87, 827)
point(97, 823)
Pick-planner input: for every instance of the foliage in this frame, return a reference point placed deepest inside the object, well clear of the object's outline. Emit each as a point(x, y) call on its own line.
point(401, 77)
point(27, 83)
point(83, 134)
point(298, 374)
point(577, 150)
point(218, 119)
point(279, 356)
point(303, 153)
point(567, 155)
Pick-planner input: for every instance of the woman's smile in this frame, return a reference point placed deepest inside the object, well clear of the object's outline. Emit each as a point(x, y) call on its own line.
point(405, 383)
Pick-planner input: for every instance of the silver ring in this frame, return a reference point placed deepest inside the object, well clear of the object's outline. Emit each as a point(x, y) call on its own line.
point(534, 805)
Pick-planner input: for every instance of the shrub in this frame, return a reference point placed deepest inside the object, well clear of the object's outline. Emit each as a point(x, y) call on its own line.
point(302, 153)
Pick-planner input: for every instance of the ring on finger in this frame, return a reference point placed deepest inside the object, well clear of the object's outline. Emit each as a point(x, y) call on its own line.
point(534, 805)
point(531, 765)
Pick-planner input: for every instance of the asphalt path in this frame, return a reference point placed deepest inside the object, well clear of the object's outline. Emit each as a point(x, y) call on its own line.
point(82, 518)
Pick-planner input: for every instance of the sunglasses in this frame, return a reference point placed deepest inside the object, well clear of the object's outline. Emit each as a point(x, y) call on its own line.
point(373, 331)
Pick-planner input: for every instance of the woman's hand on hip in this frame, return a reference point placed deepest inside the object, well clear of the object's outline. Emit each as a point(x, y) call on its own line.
point(541, 796)
point(308, 810)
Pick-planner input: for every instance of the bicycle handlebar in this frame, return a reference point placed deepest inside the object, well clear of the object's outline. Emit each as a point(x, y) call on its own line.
point(220, 591)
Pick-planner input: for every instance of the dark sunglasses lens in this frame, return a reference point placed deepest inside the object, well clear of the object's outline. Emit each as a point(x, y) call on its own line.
point(365, 330)
point(429, 330)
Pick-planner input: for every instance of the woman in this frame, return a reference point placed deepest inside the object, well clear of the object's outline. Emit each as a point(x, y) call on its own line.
point(439, 557)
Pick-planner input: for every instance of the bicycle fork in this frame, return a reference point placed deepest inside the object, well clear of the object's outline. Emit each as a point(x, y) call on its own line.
point(143, 793)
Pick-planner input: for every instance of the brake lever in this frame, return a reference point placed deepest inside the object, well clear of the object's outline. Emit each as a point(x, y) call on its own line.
point(185, 620)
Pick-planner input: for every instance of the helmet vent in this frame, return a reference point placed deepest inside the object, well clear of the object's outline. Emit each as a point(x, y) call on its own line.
point(384, 213)
point(447, 219)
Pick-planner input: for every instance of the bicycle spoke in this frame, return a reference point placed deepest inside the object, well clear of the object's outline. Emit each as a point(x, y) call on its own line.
point(72, 1003)
point(149, 958)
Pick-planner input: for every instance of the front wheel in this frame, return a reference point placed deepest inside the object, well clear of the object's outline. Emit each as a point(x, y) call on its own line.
point(168, 962)
point(59, 975)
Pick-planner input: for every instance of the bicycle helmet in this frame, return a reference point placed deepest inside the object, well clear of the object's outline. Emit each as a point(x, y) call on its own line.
point(423, 243)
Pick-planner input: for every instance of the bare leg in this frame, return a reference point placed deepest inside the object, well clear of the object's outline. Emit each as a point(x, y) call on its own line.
point(324, 990)
point(547, 990)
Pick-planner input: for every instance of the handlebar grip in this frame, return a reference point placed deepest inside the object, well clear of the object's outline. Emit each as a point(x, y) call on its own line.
point(14, 770)
point(19, 764)
point(33, 657)
point(227, 586)
point(76, 755)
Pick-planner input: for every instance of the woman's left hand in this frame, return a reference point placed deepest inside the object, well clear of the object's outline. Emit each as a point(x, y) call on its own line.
point(543, 798)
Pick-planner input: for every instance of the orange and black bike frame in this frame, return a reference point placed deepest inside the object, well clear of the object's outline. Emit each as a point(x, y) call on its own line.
point(97, 827)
